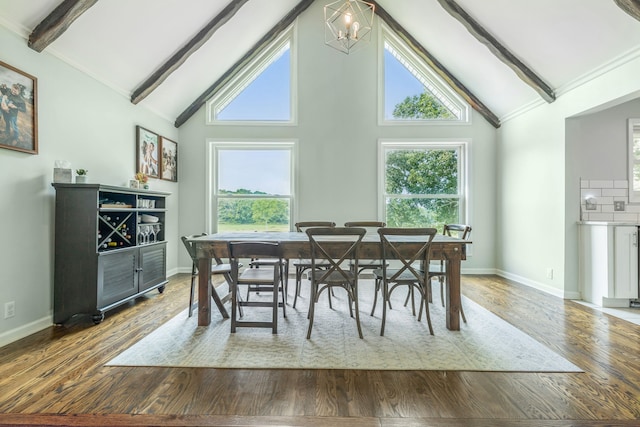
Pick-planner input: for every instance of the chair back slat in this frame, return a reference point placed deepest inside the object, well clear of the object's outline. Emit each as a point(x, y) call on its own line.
point(303, 225)
point(462, 231)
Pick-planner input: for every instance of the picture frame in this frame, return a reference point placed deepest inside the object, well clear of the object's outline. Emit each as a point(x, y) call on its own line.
point(147, 149)
point(18, 110)
point(169, 159)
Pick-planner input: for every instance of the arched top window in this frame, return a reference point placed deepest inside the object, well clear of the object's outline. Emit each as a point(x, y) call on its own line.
point(411, 91)
point(261, 93)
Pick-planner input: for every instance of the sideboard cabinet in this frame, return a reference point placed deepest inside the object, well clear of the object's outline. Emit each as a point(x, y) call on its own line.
point(109, 248)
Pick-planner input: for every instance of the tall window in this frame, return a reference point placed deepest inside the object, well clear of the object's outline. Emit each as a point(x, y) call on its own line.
point(252, 186)
point(634, 160)
point(412, 92)
point(423, 184)
point(262, 92)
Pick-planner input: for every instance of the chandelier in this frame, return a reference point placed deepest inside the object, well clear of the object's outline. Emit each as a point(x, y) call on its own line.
point(348, 24)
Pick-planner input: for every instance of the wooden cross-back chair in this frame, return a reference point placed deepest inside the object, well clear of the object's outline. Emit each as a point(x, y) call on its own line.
point(333, 251)
point(302, 265)
point(408, 259)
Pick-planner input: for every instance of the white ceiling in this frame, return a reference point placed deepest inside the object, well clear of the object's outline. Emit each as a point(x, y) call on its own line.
point(122, 42)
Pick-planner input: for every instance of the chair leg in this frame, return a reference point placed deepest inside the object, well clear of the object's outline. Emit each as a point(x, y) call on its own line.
point(274, 313)
point(375, 296)
point(193, 286)
point(312, 303)
point(299, 272)
point(355, 299)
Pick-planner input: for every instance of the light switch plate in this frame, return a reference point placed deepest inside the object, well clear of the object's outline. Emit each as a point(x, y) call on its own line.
point(618, 206)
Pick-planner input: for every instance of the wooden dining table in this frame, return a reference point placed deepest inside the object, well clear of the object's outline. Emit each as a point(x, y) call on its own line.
point(295, 245)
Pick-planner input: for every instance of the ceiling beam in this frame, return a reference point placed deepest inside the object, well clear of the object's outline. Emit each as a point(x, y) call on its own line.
point(248, 57)
point(426, 56)
point(501, 52)
point(180, 57)
point(632, 7)
point(52, 27)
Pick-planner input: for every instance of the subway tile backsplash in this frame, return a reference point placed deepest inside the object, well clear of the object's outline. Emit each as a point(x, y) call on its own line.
point(605, 193)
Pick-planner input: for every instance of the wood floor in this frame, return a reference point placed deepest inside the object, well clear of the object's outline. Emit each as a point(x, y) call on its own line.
point(58, 377)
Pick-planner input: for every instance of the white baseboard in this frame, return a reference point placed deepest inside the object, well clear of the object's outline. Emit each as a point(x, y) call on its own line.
point(25, 330)
point(560, 293)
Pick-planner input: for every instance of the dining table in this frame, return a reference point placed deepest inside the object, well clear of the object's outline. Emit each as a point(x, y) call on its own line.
point(295, 245)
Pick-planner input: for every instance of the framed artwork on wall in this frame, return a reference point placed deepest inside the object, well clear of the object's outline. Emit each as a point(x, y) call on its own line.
point(147, 144)
point(18, 110)
point(169, 162)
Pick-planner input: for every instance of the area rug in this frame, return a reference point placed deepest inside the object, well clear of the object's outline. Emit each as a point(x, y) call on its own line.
point(484, 343)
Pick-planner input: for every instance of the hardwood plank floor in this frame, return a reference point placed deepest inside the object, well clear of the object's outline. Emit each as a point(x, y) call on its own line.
point(58, 377)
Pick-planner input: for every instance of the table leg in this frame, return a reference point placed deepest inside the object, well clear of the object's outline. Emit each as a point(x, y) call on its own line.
point(452, 299)
point(204, 292)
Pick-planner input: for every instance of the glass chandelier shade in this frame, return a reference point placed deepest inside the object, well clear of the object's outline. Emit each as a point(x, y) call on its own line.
point(348, 24)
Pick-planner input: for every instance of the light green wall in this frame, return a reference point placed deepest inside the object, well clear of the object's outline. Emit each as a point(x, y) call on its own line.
point(338, 136)
point(88, 124)
point(538, 202)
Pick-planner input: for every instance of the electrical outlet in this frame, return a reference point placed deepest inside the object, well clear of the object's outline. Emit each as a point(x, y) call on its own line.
point(9, 309)
point(618, 206)
point(549, 273)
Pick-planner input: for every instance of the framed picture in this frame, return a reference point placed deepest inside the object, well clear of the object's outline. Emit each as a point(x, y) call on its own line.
point(147, 143)
point(19, 110)
point(169, 166)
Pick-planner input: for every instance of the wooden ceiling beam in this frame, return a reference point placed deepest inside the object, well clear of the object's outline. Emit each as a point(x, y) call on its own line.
point(57, 22)
point(426, 56)
point(632, 7)
point(180, 57)
point(248, 57)
point(501, 52)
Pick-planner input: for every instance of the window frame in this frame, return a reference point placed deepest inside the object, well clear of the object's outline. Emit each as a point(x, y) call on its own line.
point(213, 148)
point(386, 35)
point(463, 195)
point(249, 73)
point(633, 130)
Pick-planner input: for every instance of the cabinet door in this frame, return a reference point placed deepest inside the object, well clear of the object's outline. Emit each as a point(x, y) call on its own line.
point(153, 267)
point(117, 276)
point(626, 262)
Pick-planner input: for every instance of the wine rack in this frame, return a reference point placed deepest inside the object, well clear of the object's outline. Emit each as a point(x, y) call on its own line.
point(109, 247)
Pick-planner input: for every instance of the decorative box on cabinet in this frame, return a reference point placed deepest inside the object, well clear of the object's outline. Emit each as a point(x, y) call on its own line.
point(105, 254)
point(608, 264)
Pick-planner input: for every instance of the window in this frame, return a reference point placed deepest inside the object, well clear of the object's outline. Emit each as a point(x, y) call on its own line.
point(252, 186)
point(412, 92)
point(262, 92)
point(422, 184)
point(634, 160)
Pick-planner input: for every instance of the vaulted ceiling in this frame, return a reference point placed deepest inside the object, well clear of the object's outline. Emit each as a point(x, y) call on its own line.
point(504, 55)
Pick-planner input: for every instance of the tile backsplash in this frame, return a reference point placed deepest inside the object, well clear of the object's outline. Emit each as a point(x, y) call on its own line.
point(605, 193)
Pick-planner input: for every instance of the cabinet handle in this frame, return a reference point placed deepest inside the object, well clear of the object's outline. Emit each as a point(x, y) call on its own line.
point(635, 239)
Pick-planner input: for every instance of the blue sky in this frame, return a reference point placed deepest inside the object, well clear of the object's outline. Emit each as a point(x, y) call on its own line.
point(268, 98)
point(264, 170)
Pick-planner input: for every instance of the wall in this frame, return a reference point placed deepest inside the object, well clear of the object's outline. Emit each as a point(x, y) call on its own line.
point(338, 136)
point(93, 127)
point(538, 192)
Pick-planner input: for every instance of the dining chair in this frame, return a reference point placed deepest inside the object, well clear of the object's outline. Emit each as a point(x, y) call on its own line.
point(438, 270)
point(369, 264)
point(264, 279)
point(221, 268)
point(302, 265)
point(407, 259)
point(333, 250)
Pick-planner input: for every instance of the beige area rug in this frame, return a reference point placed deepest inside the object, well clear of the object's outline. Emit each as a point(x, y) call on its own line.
point(485, 343)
